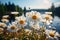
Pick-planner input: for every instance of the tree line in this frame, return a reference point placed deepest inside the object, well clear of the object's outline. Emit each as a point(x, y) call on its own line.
point(6, 9)
point(55, 10)
point(10, 7)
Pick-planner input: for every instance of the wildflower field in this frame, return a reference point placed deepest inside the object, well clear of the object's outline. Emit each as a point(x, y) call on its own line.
point(28, 27)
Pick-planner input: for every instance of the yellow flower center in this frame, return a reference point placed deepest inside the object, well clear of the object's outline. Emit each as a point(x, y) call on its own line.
point(51, 34)
point(34, 17)
point(12, 27)
point(47, 17)
point(21, 22)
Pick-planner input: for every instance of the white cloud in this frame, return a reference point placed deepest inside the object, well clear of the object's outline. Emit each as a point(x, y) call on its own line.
point(46, 1)
point(44, 4)
point(57, 4)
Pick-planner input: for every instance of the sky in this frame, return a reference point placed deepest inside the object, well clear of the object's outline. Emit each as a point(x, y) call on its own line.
point(33, 4)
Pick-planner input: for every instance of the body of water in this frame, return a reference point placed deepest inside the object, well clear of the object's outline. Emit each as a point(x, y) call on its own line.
point(56, 23)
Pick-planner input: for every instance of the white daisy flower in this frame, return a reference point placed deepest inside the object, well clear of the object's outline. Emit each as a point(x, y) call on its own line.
point(52, 33)
point(16, 18)
point(2, 25)
point(28, 14)
point(12, 28)
point(48, 13)
point(1, 29)
point(5, 16)
point(4, 20)
point(57, 34)
point(48, 17)
point(14, 23)
point(28, 31)
point(33, 17)
point(21, 21)
point(15, 13)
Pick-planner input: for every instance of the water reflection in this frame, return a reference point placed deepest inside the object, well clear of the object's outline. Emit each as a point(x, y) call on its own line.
point(56, 23)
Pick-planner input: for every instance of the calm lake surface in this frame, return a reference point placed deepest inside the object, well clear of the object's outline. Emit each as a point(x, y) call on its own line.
point(56, 23)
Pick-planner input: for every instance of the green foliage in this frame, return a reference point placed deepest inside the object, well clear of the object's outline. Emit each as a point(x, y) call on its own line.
point(7, 8)
point(24, 10)
point(51, 9)
point(54, 10)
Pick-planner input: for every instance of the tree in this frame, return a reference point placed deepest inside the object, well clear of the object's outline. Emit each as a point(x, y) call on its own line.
point(52, 9)
point(24, 10)
point(12, 7)
point(9, 7)
point(57, 11)
point(6, 7)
